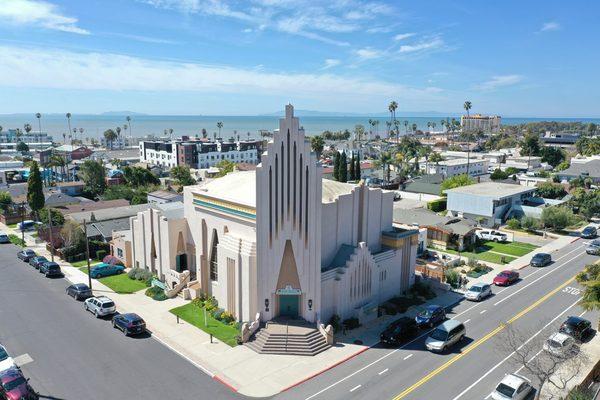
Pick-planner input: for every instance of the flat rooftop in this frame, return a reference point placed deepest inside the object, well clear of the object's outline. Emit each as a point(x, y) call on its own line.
point(492, 189)
point(460, 161)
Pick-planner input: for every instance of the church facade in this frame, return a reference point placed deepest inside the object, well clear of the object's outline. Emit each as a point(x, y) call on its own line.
point(282, 241)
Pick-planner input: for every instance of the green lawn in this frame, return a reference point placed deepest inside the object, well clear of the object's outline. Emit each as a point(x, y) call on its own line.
point(493, 251)
point(83, 263)
point(195, 316)
point(513, 249)
point(14, 239)
point(121, 283)
point(484, 256)
point(12, 226)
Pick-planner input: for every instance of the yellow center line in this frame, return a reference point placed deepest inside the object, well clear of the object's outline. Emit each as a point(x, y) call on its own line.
point(479, 342)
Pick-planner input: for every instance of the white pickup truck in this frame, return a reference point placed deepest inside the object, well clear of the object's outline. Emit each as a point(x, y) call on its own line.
point(495, 236)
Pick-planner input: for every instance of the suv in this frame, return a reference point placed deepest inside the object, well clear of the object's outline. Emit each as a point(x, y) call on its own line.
point(6, 361)
point(445, 335)
point(589, 232)
point(50, 269)
point(100, 306)
point(559, 344)
point(492, 235)
point(540, 260)
point(593, 248)
point(399, 331)
point(514, 387)
point(26, 254)
point(576, 327)
point(129, 324)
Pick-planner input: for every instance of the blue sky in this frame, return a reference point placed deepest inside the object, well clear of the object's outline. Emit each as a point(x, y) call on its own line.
point(514, 58)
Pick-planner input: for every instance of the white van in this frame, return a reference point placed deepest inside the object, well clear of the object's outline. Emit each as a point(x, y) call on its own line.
point(445, 336)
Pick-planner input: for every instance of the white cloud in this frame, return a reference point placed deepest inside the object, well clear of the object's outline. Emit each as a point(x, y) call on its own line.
point(368, 53)
point(432, 44)
point(500, 81)
point(402, 36)
point(145, 39)
point(38, 13)
point(248, 30)
point(550, 26)
point(59, 69)
point(331, 62)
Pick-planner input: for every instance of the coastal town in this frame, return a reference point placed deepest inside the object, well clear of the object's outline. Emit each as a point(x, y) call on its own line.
point(370, 253)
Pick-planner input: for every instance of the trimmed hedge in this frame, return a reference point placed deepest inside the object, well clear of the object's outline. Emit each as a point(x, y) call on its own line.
point(437, 205)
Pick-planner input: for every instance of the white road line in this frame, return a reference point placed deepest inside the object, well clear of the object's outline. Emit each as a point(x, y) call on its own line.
point(528, 361)
point(23, 359)
point(408, 356)
point(546, 274)
point(581, 315)
point(511, 354)
point(467, 321)
point(488, 396)
point(354, 388)
point(482, 311)
point(384, 371)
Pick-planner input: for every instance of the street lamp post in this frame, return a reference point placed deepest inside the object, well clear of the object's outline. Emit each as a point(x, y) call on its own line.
point(87, 253)
point(51, 240)
point(22, 222)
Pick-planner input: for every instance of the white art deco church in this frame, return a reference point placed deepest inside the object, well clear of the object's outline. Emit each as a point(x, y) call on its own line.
point(281, 241)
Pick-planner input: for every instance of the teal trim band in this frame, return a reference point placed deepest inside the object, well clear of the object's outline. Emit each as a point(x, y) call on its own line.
point(226, 210)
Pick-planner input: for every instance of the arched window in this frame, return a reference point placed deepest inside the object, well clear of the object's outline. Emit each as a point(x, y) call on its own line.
point(214, 266)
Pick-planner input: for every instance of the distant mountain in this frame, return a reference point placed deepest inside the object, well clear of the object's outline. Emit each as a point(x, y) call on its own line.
point(120, 113)
point(312, 113)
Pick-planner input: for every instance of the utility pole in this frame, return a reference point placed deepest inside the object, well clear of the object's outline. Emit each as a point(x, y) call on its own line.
point(87, 254)
point(22, 223)
point(51, 240)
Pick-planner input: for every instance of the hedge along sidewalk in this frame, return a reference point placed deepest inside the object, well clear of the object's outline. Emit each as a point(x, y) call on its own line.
point(194, 315)
point(120, 283)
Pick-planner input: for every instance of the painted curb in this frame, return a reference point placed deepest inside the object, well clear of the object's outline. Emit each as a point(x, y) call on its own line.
point(226, 384)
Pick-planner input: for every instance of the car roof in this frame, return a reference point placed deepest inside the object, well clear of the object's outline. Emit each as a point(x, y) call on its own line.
point(589, 227)
point(103, 298)
point(80, 286)
point(512, 380)
point(450, 324)
point(507, 271)
point(131, 316)
point(480, 284)
point(541, 254)
point(433, 307)
point(559, 337)
point(574, 320)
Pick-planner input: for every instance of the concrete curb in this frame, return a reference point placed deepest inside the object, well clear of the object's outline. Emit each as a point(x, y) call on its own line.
point(226, 384)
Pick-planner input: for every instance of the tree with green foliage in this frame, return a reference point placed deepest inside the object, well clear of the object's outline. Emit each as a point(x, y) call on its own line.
point(553, 155)
point(57, 217)
point(531, 144)
point(587, 203)
point(5, 200)
point(557, 218)
point(359, 131)
point(22, 147)
point(35, 189)
point(110, 136)
point(138, 176)
point(128, 192)
point(336, 166)
point(498, 175)
point(456, 181)
point(590, 279)
point(181, 174)
point(384, 162)
point(513, 224)
point(530, 223)
point(317, 143)
point(588, 146)
point(93, 175)
point(351, 171)
point(435, 158)
point(343, 168)
point(549, 190)
point(512, 171)
point(225, 167)
point(357, 173)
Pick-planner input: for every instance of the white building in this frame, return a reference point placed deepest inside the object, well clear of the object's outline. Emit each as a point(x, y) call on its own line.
point(280, 240)
point(35, 140)
point(522, 163)
point(485, 123)
point(457, 166)
point(121, 142)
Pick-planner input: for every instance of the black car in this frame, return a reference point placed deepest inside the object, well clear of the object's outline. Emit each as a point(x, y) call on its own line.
point(540, 260)
point(129, 324)
point(36, 261)
point(399, 331)
point(79, 291)
point(26, 254)
point(430, 316)
point(589, 232)
point(50, 269)
point(576, 327)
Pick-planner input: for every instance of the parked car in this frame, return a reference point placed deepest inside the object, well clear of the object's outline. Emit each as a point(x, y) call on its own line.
point(79, 291)
point(540, 260)
point(478, 292)
point(129, 324)
point(431, 316)
point(399, 331)
point(506, 278)
point(37, 261)
point(50, 269)
point(513, 387)
point(100, 306)
point(445, 336)
point(4, 238)
point(560, 344)
point(495, 236)
point(576, 327)
point(102, 269)
point(589, 232)
point(14, 386)
point(593, 247)
point(27, 225)
point(6, 361)
point(26, 254)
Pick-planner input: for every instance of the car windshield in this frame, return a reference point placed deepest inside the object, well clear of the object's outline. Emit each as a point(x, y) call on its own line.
point(29, 252)
point(108, 304)
point(439, 334)
point(14, 383)
point(475, 289)
point(425, 313)
point(505, 390)
point(504, 274)
point(3, 354)
point(554, 344)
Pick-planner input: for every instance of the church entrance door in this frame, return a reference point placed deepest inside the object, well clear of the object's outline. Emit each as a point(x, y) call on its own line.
point(288, 305)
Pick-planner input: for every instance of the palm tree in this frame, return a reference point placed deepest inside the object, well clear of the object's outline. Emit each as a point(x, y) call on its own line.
point(39, 118)
point(433, 126)
point(171, 133)
point(396, 127)
point(389, 126)
point(384, 161)
point(110, 136)
point(467, 106)
point(27, 128)
point(1, 128)
point(69, 122)
point(128, 119)
point(125, 130)
point(372, 124)
point(118, 130)
point(392, 108)
point(219, 125)
point(414, 128)
point(406, 127)
point(429, 126)
point(376, 122)
point(215, 136)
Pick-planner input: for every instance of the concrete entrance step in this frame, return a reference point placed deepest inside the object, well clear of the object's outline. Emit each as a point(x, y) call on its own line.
point(291, 337)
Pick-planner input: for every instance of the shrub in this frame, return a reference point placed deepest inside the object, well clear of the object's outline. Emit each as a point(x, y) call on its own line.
point(530, 223)
point(389, 308)
point(351, 323)
point(14, 239)
point(513, 224)
point(100, 254)
point(140, 274)
point(198, 302)
point(218, 314)
point(160, 296)
point(452, 278)
point(423, 290)
point(558, 218)
point(156, 293)
point(437, 205)
point(498, 174)
point(334, 321)
point(227, 317)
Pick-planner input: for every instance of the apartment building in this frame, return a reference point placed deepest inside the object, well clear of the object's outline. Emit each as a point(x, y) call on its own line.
point(476, 122)
point(458, 166)
point(35, 140)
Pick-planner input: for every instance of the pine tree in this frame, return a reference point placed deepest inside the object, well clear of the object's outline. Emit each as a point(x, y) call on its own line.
point(357, 169)
point(343, 168)
point(351, 173)
point(336, 166)
point(35, 190)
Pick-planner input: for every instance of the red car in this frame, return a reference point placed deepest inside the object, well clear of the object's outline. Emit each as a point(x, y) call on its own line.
point(14, 386)
point(506, 277)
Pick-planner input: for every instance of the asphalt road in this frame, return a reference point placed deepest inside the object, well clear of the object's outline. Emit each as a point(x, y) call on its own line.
point(537, 304)
point(74, 356)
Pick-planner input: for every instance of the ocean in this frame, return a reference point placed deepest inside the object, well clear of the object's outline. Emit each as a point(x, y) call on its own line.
point(141, 125)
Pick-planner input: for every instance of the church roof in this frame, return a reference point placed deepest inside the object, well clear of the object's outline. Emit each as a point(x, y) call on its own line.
point(343, 254)
point(333, 189)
